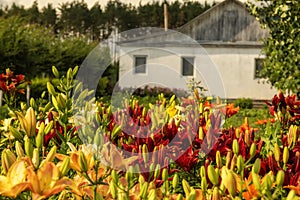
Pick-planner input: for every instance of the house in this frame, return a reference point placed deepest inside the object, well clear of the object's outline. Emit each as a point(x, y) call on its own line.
point(221, 48)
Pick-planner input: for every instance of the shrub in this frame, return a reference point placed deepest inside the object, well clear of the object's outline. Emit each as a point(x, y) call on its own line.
point(39, 85)
point(244, 103)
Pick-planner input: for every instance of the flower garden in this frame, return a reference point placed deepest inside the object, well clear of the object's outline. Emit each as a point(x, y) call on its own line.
point(174, 149)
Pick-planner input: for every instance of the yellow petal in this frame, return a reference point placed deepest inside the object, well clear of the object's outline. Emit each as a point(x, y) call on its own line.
point(48, 174)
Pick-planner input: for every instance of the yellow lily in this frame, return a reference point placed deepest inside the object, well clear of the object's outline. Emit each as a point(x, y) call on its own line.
point(15, 181)
point(46, 181)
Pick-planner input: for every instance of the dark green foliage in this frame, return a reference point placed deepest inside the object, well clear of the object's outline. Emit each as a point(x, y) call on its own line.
point(243, 103)
point(281, 67)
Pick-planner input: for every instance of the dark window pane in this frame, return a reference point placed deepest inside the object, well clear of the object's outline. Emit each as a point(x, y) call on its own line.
point(258, 67)
point(140, 64)
point(187, 66)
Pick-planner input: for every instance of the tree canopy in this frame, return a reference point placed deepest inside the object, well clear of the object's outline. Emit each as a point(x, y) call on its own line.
point(282, 47)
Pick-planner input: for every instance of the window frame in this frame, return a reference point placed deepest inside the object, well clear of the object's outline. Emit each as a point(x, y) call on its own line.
point(186, 59)
point(135, 71)
point(258, 67)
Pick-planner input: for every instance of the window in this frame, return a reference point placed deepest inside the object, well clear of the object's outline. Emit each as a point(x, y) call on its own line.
point(187, 66)
point(140, 65)
point(258, 67)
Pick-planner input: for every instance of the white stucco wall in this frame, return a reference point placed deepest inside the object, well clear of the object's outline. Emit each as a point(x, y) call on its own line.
point(236, 67)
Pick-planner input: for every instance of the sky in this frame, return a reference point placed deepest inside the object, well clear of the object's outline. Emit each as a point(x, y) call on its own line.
point(42, 3)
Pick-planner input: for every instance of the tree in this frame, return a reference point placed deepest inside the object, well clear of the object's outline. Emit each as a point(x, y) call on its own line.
point(282, 64)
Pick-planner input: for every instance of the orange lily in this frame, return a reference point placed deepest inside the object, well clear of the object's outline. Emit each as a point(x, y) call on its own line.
point(15, 181)
point(46, 181)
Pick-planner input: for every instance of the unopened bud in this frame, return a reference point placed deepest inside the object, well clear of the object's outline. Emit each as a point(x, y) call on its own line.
point(51, 155)
point(235, 147)
point(280, 178)
point(202, 172)
point(268, 182)
point(145, 153)
point(114, 176)
point(175, 181)
point(231, 183)
point(256, 166)
point(65, 166)
point(36, 158)
point(252, 150)
point(186, 187)
point(216, 194)
point(39, 140)
point(192, 195)
point(256, 181)
point(82, 162)
point(285, 155)
point(240, 164)
point(165, 174)
point(218, 159)
point(212, 175)
point(277, 152)
point(247, 138)
point(179, 197)
point(237, 133)
point(28, 147)
point(201, 134)
point(228, 158)
point(203, 184)
point(143, 190)
point(19, 149)
point(157, 171)
point(233, 162)
point(113, 189)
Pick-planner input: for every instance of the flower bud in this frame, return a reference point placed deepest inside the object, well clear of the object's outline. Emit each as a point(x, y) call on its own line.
point(28, 147)
point(17, 134)
point(202, 172)
point(231, 183)
point(256, 166)
point(157, 171)
point(280, 178)
point(291, 195)
point(201, 134)
point(186, 187)
point(48, 127)
point(36, 158)
point(65, 166)
point(113, 189)
point(179, 197)
point(175, 181)
point(216, 194)
point(19, 149)
point(235, 147)
point(141, 179)
point(212, 175)
point(233, 162)
point(256, 181)
point(247, 138)
point(39, 140)
point(51, 155)
point(165, 174)
point(145, 153)
point(252, 150)
point(240, 164)
point(114, 176)
point(203, 184)
point(152, 195)
point(218, 159)
point(192, 195)
point(143, 190)
point(285, 155)
point(228, 158)
point(268, 182)
point(237, 133)
point(82, 162)
point(277, 152)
